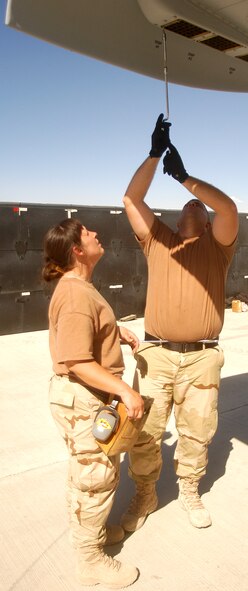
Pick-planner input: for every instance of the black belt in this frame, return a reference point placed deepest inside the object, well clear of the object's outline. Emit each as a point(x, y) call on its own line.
point(182, 347)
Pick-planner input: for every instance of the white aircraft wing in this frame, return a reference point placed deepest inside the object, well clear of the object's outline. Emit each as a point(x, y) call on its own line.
point(207, 41)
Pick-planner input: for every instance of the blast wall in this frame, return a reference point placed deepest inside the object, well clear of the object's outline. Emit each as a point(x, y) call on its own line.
point(120, 276)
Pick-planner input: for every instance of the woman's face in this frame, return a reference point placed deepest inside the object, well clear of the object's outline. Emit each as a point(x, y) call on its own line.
point(90, 244)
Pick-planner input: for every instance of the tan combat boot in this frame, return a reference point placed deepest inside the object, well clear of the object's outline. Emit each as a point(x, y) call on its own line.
point(98, 568)
point(143, 503)
point(190, 501)
point(114, 535)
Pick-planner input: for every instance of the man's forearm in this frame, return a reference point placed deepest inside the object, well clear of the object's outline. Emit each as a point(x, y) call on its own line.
point(141, 180)
point(209, 195)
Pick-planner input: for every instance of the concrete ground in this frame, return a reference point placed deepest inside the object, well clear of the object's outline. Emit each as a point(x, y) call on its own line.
point(35, 553)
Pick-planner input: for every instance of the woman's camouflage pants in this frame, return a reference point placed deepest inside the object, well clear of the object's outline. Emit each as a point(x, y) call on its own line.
point(92, 476)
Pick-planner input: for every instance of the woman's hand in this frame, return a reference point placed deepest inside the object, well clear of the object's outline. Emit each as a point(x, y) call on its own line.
point(128, 337)
point(133, 402)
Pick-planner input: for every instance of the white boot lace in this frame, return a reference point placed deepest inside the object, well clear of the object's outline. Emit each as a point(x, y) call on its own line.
point(190, 495)
point(110, 562)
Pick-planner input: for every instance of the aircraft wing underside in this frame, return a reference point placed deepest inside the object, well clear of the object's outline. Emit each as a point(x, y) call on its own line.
point(207, 41)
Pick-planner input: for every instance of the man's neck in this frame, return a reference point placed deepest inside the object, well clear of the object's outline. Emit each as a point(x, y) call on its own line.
point(188, 239)
point(190, 234)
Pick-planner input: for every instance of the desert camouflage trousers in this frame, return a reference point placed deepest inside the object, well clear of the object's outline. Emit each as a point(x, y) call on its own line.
point(92, 476)
point(190, 383)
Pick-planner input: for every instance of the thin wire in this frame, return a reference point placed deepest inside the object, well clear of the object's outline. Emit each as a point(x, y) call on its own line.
point(165, 77)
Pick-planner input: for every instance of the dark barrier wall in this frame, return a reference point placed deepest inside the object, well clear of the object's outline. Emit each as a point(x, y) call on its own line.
point(121, 275)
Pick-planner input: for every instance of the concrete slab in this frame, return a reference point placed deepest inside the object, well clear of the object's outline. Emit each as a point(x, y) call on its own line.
point(170, 553)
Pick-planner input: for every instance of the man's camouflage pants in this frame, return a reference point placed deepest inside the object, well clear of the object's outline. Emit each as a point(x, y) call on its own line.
point(92, 476)
point(190, 382)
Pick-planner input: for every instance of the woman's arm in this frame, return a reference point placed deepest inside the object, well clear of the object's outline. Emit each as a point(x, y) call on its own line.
point(96, 376)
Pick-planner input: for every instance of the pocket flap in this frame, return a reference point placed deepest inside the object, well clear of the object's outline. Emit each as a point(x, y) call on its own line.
point(61, 392)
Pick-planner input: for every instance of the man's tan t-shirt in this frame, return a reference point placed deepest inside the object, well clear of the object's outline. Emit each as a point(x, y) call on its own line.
point(82, 327)
point(186, 284)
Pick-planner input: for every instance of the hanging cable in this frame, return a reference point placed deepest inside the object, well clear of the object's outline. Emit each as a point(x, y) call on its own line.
point(165, 76)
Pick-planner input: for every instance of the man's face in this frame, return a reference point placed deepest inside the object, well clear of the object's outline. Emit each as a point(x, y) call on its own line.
point(196, 209)
point(194, 213)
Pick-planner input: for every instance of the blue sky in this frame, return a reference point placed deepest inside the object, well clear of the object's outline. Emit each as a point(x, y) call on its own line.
point(74, 130)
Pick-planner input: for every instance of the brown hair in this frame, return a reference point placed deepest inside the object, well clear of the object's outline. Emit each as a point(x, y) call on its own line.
point(58, 244)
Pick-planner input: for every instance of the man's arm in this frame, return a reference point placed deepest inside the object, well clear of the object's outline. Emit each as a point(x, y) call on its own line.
point(140, 216)
point(226, 221)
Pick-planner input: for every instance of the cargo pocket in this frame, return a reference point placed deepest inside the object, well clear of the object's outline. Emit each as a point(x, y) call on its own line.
point(61, 392)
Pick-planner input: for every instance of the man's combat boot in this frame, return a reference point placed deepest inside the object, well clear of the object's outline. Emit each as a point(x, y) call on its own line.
point(114, 535)
point(96, 567)
point(190, 501)
point(143, 503)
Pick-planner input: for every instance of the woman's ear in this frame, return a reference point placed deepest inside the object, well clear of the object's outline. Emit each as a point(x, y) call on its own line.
point(77, 250)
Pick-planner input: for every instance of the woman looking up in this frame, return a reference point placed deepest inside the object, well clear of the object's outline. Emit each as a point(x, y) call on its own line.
point(84, 342)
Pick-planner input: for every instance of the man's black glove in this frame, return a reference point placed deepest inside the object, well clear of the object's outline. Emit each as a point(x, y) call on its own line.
point(160, 137)
point(173, 165)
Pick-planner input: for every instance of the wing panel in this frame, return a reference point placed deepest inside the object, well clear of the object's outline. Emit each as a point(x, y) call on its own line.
point(117, 32)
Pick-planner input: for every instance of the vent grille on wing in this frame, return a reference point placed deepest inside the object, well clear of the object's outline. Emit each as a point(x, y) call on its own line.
point(200, 35)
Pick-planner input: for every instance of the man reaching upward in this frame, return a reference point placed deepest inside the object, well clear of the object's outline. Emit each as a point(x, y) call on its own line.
point(180, 361)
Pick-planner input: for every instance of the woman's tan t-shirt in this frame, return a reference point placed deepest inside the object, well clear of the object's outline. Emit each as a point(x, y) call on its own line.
point(82, 327)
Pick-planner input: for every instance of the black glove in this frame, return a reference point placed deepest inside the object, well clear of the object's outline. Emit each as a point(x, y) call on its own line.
point(173, 165)
point(160, 137)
